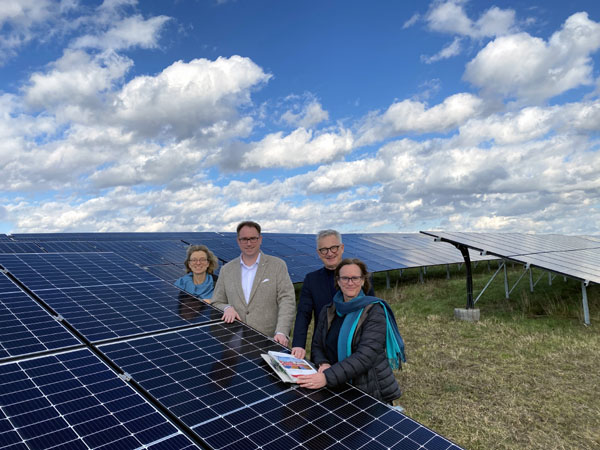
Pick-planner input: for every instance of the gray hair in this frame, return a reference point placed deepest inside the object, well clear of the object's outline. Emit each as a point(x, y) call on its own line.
point(324, 233)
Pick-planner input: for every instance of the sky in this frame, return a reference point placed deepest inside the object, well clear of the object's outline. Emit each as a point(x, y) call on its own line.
point(363, 116)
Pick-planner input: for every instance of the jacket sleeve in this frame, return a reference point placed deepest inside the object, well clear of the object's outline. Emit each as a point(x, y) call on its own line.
point(317, 347)
point(303, 315)
point(219, 297)
point(286, 301)
point(370, 344)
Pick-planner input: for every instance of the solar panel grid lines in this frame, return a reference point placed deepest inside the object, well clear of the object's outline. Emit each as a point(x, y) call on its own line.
point(567, 255)
point(515, 244)
point(73, 400)
point(62, 270)
point(19, 247)
point(27, 329)
point(106, 312)
point(67, 246)
point(214, 379)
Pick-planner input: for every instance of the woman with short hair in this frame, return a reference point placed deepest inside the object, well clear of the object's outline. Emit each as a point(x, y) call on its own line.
point(356, 339)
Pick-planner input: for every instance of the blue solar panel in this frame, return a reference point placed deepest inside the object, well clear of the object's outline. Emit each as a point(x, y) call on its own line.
point(56, 270)
point(107, 312)
point(119, 307)
point(214, 379)
point(19, 247)
point(25, 328)
point(73, 400)
point(67, 246)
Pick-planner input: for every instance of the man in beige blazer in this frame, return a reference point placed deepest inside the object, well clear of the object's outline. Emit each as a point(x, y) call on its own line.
point(256, 288)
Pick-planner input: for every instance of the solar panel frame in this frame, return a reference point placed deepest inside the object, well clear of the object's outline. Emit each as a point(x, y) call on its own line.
point(26, 328)
point(214, 379)
point(74, 400)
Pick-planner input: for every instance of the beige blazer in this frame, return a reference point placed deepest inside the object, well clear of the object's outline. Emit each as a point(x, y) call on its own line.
point(272, 305)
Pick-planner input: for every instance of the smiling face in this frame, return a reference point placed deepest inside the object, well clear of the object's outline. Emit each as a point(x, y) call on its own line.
point(350, 281)
point(249, 241)
point(330, 251)
point(198, 262)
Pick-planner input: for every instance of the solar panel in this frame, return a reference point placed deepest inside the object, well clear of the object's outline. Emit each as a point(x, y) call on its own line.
point(25, 328)
point(167, 272)
point(19, 247)
point(67, 246)
point(101, 306)
point(73, 400)
point(62, 270)
point(214, 379)
point(567, 255)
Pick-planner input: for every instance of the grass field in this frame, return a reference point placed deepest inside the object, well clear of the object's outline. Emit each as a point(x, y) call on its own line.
point(527, 375)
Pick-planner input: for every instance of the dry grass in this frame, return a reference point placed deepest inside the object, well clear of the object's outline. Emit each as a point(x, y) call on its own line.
point(525, 376)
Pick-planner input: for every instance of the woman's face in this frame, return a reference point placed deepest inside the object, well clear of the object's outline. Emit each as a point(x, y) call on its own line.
point(350, 281)
point(198, 262)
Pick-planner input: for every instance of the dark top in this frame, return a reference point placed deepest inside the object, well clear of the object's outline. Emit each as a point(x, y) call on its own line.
point(318, 290)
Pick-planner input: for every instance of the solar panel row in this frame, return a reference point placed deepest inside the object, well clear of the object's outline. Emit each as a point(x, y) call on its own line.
point(164, 253)
point(194, 380)
point(574, 256)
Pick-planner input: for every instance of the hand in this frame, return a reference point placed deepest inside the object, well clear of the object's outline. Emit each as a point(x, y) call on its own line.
point(323, 367)
point(229, 315)
point(313, 381)
point(281, 338)
point(298, 352)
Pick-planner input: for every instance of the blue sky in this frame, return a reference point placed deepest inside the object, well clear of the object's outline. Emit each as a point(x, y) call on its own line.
point(192, 115)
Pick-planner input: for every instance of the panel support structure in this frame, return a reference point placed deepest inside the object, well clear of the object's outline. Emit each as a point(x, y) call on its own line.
point(586, 309)
point(465, 253)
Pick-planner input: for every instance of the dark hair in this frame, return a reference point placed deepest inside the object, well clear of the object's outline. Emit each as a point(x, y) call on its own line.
point(363, 271)
point(247, 223)
point(213, 262)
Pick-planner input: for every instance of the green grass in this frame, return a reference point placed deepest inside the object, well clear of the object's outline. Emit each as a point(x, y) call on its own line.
point(526, 376)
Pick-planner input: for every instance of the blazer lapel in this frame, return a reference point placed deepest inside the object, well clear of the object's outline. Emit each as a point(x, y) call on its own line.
point(237, 280)
point(260, 272)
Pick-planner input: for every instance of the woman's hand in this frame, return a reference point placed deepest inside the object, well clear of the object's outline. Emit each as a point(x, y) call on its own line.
point(313, 381)
point(323, 367)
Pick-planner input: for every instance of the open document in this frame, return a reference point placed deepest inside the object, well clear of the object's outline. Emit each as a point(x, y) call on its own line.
point(288, 367)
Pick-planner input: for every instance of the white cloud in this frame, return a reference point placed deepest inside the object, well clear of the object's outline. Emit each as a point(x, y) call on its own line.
point(410, 116)
point(311, 115)
point(76, 86)
point(449, 51)
point(133, 31)
point(200, 98)
point(450, 17)
point(21, 21)
point(527, 68)
point(299, 148)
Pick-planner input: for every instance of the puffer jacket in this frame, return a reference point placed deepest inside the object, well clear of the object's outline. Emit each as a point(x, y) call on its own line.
point(367, 367)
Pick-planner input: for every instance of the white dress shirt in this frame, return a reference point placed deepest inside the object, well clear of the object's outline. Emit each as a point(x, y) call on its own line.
point(248, 275)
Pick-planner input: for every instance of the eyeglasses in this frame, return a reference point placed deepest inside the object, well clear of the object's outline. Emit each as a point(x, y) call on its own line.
point(198, 260)
point(347, 280)
point(333, 249)
point(252, 239)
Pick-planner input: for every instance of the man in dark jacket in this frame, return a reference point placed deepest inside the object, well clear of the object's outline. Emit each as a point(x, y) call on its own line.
point(318, 288)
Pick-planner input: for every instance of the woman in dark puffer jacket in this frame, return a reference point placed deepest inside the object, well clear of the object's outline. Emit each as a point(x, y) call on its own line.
point(357, 339)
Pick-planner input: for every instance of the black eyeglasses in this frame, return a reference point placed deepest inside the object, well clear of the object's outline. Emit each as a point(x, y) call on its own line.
point(333, 249)
point(347, 280)
point(252, 239)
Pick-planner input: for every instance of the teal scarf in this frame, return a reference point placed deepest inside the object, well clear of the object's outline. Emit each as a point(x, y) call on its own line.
point(351, 312)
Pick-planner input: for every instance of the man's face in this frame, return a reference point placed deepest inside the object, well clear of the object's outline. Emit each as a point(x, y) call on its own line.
point(249, 241)
point(330, 251)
